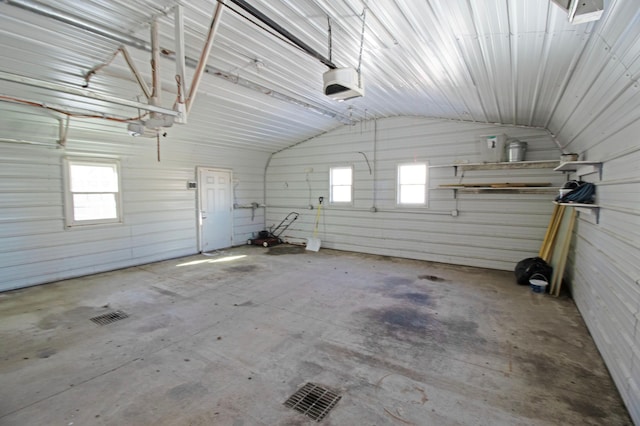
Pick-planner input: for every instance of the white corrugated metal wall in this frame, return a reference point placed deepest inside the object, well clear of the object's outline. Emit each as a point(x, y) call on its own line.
point(36, 248)
point(493, 230)
point(599, 117)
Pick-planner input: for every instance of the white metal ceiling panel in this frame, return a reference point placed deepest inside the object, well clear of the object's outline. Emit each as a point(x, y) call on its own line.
point(507, 61)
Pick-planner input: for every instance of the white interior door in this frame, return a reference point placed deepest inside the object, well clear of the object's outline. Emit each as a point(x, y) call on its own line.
point(216, 209)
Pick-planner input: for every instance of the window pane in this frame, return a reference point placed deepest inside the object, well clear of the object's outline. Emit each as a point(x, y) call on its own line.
point(94, 206)
point(341, 176)
point(413, 174)
point(93, 178)
point(412, 194)
point(342, 194)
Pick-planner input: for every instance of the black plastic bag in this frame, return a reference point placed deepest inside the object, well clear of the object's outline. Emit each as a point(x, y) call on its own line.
point(532, 265)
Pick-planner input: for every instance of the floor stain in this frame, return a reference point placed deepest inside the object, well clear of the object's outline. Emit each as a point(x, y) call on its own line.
point(46, 353)
point(186, 391)
point(394, 281)
point(414, 297)
point(433, 278)
point(584, 408)
point(165, 292)
point(242, 268)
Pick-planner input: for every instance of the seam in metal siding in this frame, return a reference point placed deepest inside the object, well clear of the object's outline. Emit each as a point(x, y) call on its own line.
point(493, 230)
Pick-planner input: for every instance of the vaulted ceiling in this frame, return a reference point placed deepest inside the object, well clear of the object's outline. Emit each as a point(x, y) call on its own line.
point(495, 61)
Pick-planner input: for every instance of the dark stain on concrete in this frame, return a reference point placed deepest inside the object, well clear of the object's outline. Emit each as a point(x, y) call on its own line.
point(433, 278)
point(394, 281)
point(165, 292)
point(462, 332)
point(186, 391)
point(242, 268)
point(460, 325)
point(46, 353)
point(278, 250)
point(404, 318)
point(585, 408)
point(414, 297)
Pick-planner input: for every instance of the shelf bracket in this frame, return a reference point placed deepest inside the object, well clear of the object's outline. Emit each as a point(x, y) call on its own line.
point(593, 212)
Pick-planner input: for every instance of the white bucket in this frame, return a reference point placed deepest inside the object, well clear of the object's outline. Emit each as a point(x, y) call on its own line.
point(538, 283)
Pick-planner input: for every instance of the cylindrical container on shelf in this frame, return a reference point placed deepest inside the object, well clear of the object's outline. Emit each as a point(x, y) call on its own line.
point(568, 157)
point(516, 151)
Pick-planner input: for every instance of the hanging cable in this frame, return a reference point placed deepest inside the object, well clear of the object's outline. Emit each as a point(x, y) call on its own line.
point(330, 39)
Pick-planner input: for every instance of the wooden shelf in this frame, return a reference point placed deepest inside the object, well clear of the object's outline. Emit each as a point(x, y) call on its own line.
point(572, 166)
point(589, 209)
point(544, 164)
point(584, 205)
point(581, 168)
point(501, 190)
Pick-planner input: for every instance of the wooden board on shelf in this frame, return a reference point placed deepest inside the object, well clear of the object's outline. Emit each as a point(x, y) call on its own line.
point(496, 185)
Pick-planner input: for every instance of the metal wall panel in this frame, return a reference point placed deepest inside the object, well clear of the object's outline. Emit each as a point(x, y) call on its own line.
point(492, 230)
point(599, 118)
point(159, 210)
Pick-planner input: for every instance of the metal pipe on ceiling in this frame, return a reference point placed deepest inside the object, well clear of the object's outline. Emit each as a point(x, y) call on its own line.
point(206, 51)
point(136, 73)
point(156, 90)
point(122, 38)
point(29, 81)
point(180, 64)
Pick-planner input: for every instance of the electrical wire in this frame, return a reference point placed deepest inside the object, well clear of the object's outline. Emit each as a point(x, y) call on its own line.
point(71, 114)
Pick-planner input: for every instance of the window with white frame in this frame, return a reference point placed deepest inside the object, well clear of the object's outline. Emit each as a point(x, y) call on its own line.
point(92, 191)
point(341, 184)
point(412, 184)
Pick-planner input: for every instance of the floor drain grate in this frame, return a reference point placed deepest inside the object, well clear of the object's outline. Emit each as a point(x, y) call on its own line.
point(109, 317)
point(313, 401)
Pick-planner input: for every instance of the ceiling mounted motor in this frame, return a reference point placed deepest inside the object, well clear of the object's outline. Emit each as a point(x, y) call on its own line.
point(342, 84)
point(581, 11)
point(151, 127)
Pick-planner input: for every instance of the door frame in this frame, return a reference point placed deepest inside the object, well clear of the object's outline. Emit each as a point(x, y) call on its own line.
point(199, 202)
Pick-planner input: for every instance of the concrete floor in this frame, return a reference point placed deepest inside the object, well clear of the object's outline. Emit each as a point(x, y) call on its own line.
point(226, 339)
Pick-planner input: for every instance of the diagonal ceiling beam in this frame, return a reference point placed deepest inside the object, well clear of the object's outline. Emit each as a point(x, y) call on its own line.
point(126, 39)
